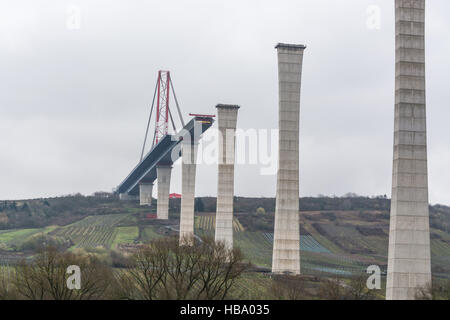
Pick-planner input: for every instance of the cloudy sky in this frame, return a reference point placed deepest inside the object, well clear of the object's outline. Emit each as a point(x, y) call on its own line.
point(77, 78)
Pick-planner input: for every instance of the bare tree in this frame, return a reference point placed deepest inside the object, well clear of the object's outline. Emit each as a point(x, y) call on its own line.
point(165, 270)
point(357, 289)
point(7, 290)
point(338, 289)
point(288, 287)
point(219, 269)
point(332, 289)
point(45, 277)
point(145, 276)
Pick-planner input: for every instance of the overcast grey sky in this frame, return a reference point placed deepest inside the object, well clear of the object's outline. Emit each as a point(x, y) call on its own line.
point(74, 102)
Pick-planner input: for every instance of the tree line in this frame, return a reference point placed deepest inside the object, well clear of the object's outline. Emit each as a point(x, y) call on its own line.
point(160, 270)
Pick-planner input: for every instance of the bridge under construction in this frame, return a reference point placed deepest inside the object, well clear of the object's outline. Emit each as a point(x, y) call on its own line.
point(167, 148)
point(409, 261)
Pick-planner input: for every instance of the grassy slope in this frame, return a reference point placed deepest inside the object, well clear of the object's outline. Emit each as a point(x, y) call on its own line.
point(19, 236)
point(349, 249)
point(150, 233)
point(125, 235)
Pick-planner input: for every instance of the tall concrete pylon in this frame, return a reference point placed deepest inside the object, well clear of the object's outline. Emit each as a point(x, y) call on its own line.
point(286, 245)
point(145, 193)
point(227, 118)
point(188, 170)
point(409, 265)
point(163, 173)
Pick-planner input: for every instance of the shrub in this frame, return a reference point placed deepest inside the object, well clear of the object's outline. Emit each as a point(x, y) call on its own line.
point(261, 211)
point(41, 240)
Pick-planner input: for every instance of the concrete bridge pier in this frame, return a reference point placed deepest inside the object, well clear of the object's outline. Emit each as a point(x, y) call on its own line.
point(188, 171)
point(145, 193)
point(227, 118)
point(286, 244)
point(409, 258)
point(163, 174)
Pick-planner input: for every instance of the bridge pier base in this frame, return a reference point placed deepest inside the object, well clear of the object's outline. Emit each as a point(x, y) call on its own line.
point(163, 174)
point(145, 193)
point(188, 170)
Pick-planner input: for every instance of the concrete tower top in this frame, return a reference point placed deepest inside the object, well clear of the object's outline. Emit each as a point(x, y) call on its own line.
point(290, 46)
point(228, 106)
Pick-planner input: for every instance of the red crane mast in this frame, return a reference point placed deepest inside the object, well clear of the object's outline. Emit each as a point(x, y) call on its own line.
point(162, 105)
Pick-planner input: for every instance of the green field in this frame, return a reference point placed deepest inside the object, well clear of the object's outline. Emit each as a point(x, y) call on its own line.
point(17, 237)
point(149, 233)
point(101, 231)
point(125, 235)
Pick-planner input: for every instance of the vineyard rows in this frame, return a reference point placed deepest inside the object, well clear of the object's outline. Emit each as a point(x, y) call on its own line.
point(91, 232)
point(209, 223)
point(307, 243)
point(88, 237)
point(439, 248)
point(110, 220)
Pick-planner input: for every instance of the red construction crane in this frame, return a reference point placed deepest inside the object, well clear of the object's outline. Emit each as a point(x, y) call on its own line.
point(163, 88)
point(162, 106)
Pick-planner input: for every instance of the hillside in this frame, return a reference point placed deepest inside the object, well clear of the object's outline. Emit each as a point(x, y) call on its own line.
point(339, 236)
